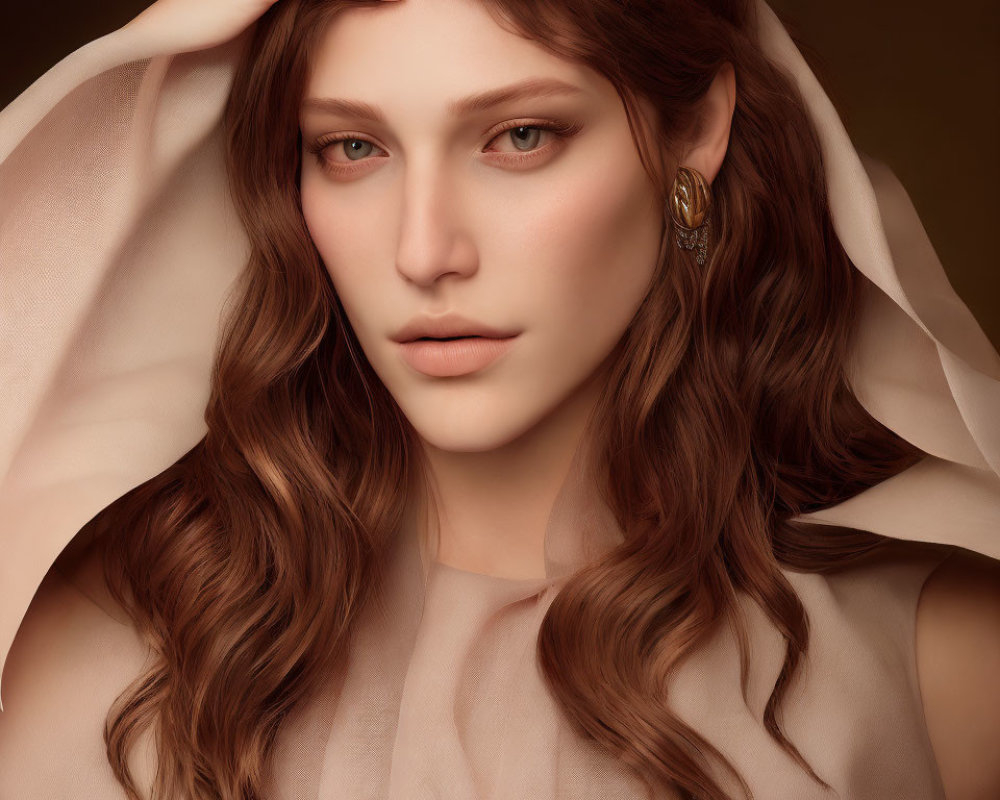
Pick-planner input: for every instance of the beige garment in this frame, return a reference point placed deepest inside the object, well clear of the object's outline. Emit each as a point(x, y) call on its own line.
point(117, 245)
point(443, 698)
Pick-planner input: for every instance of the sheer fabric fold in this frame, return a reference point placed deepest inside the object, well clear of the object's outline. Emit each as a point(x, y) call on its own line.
point(118, 246)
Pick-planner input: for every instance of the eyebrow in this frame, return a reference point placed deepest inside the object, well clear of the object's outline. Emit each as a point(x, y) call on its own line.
point(533, 87)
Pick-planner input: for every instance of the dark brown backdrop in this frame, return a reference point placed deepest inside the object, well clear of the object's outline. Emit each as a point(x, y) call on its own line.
point(916, 81)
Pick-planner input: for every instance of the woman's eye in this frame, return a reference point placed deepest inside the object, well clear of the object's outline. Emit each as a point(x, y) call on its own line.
point(342, 154)
point(351, 149)
point(523, 137)
point(348, 152)
point(529, 142)
point(357, 149)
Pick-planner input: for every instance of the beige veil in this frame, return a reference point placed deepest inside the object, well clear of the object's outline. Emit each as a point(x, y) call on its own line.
point(118, 243)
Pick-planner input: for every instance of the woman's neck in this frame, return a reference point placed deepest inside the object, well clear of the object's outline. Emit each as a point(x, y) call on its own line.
point(493, 507)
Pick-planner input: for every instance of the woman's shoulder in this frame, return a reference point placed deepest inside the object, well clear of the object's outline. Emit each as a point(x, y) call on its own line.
point(882, 587)
point(958, 660)
point(865, 610)
point(937, 609)
point(74, 653)
point(80, 568)
point(73, 615)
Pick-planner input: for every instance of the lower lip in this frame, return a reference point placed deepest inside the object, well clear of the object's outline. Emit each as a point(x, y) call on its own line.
point(445, 359)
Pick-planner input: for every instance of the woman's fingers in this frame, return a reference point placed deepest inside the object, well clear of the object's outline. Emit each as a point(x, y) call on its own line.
point(186, 25)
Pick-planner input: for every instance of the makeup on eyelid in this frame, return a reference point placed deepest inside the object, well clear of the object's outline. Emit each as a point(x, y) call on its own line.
point(560, 132)
point(449, 207)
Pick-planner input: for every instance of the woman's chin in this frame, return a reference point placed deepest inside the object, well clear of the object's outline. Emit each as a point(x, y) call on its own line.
point(472, 430)
point(467, 436)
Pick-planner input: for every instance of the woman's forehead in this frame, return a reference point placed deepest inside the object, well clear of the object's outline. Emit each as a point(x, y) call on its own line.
point(445, 51)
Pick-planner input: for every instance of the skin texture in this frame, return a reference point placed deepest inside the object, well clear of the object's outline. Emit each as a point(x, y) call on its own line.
point(436, 216)
point(958, 661)
point(560, 250)
point(188, 25)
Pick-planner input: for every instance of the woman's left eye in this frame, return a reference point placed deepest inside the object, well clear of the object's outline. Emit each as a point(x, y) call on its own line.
point(524, 139)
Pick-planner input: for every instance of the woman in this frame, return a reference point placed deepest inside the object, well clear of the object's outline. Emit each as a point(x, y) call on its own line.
point(654, 524)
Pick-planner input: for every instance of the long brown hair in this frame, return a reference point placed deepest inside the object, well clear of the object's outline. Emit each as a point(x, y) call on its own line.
point(727, 413)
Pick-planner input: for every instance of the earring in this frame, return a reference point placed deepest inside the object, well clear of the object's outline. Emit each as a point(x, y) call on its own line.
point(689, 203)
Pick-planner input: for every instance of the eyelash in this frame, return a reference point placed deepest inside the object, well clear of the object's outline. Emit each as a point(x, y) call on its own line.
point(561, 130)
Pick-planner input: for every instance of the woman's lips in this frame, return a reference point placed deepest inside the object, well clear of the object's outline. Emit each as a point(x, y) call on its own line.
point(446, 358)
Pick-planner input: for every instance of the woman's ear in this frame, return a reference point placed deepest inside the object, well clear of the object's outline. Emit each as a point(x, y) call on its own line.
point(707, 150)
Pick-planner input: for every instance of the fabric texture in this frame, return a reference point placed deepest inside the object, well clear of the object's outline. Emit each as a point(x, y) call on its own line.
point(118, 245)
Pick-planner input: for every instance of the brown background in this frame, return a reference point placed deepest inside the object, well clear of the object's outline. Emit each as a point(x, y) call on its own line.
point(916, 81)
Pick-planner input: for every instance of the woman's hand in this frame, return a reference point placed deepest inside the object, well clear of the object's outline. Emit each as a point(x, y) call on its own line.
point(187, 25)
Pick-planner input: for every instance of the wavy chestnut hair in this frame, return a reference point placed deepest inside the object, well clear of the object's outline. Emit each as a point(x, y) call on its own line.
point(728, 412)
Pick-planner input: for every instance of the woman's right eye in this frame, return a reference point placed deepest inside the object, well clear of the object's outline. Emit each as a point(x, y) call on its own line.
point(339, 152)
point(354, 149)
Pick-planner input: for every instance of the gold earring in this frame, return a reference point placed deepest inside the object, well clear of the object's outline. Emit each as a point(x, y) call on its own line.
point(690, 200)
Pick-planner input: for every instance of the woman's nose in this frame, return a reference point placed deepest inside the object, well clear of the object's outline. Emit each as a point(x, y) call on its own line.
point(433, 239)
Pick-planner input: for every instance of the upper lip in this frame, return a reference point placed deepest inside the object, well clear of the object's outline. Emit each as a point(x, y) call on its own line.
point(448, 325)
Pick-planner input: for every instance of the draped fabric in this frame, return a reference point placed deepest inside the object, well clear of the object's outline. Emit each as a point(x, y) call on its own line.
point(443, 698)
point(118, 245)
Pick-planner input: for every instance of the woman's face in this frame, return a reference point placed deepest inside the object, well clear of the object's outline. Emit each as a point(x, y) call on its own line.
point(423, 204)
